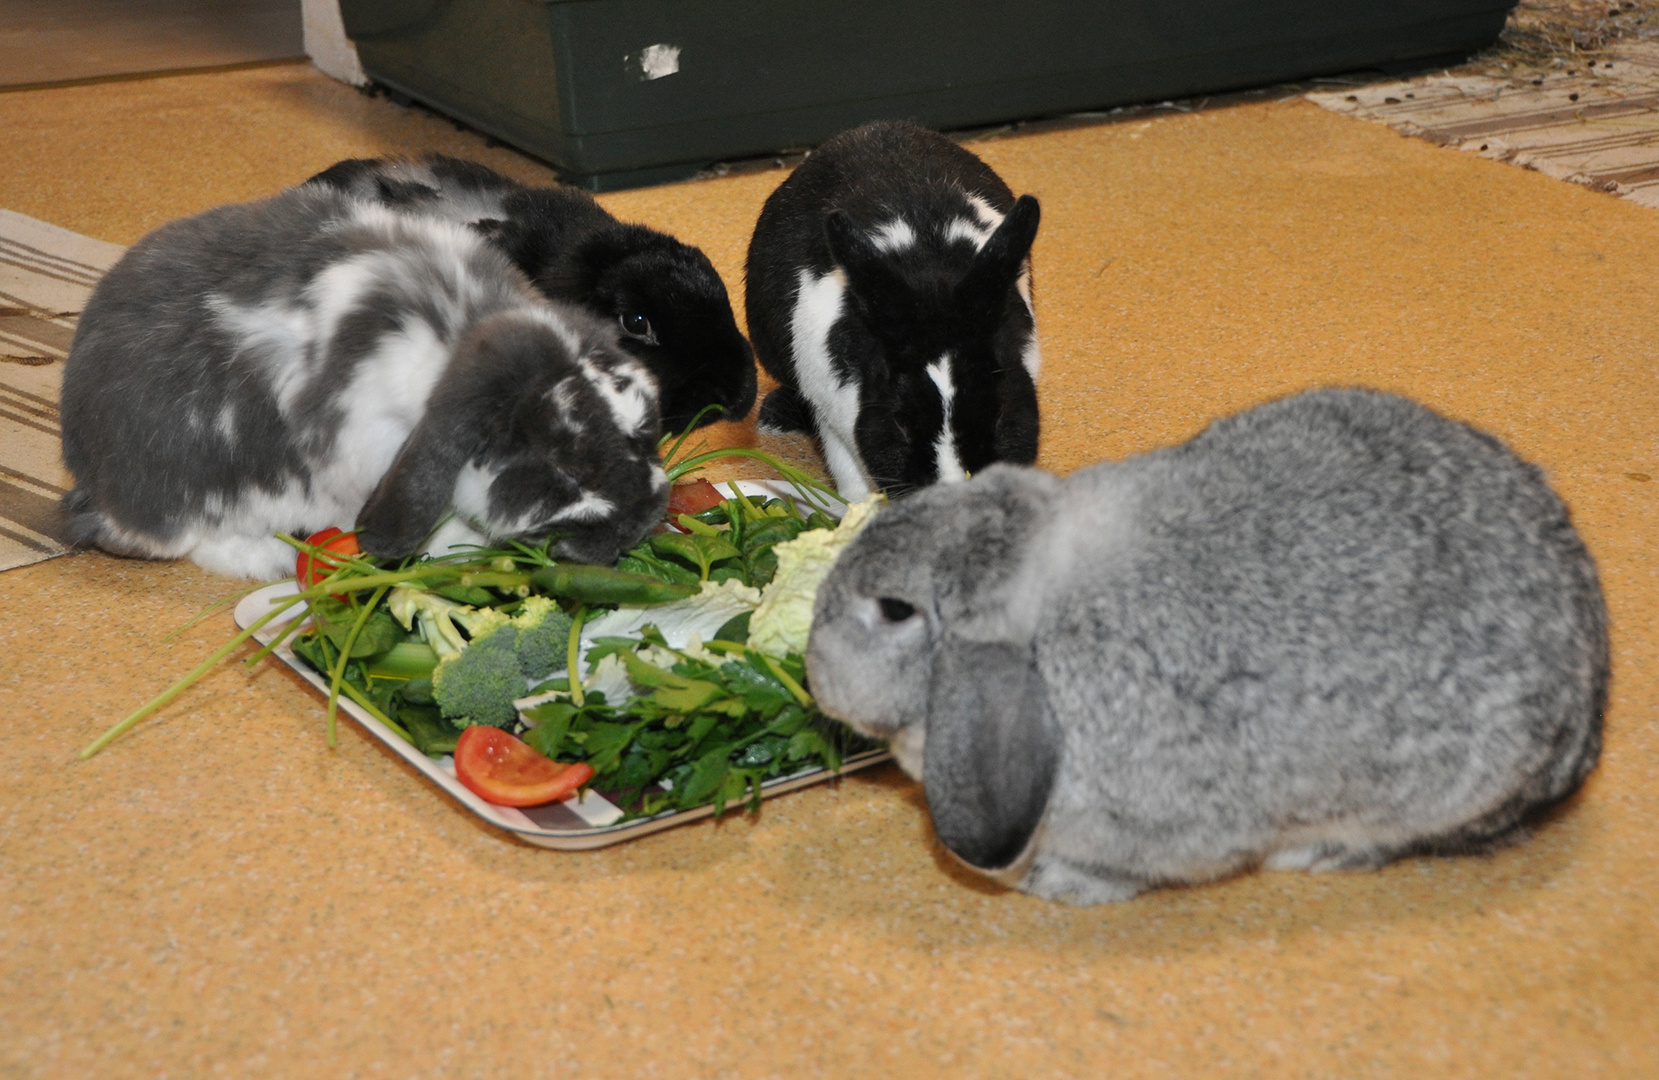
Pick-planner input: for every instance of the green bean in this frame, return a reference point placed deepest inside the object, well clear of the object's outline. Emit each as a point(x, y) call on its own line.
point(602, 585)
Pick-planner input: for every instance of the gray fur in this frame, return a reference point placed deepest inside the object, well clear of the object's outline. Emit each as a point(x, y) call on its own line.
point(1326, 633)
point(263, 367)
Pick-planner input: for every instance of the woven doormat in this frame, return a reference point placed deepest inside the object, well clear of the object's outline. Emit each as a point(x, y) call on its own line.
point(46, 275)
point(1591, 122)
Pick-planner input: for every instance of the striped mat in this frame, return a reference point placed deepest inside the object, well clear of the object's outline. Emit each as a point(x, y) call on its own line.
point(46, 275)
point(1593, 122)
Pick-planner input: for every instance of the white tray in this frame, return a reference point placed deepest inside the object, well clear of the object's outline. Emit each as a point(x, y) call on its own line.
point(568, 826)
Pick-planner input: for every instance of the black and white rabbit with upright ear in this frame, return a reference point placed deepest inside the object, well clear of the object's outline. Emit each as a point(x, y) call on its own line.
point(312, 360)
point(889, 292)
point(1325, 633)
point(667, 299)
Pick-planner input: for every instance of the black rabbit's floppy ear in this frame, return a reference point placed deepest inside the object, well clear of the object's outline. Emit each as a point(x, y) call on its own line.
point(990, 757)
point(415, 492)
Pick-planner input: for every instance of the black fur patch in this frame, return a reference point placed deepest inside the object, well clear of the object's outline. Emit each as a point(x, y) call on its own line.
point(785, 412)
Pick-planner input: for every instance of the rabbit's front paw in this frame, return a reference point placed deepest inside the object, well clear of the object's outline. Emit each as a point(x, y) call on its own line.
point(1056, 879)
point(1326, 857)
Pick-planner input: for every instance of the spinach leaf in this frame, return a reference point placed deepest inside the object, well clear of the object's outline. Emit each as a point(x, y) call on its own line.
point(378, 635)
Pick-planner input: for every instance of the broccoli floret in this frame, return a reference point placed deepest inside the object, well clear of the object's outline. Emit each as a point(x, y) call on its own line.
point(478, 676)
point(442, 620)
point(482, 623)
point(543, 637)
point(479, 685)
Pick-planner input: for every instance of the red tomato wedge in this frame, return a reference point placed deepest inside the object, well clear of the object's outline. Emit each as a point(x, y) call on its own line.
point(310, 571)
point(503, 770)
point(693, 497)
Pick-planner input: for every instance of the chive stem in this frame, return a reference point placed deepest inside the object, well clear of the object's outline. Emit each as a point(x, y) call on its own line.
point(789, 684)
point(214, 608)
point(289, 629)
point(187, 681)
point(373, 710)
point(692, 525)
point(573, 656)
point(788, 472)
point(338, 675)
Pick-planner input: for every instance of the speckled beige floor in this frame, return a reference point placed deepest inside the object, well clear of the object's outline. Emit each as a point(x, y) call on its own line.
point(220, 894)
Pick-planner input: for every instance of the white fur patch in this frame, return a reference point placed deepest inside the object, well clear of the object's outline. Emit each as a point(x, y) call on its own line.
point(1022, 285)
point(236, 537)
point(989, 217)
point(1031, 356)
point(384, 401)
point(472, 492)
point(895, 236)
point(458, 203)
point(561, 329)
point(279, 334)
point(564, 398)
point(818, 306)
point(964, 231)
point(263, 557)
point(453, 535)
point(944, 447)
point(906, 746)
point(626, 392)
point(592, 506)
point(976, 229)
point(338, 290)
point(1294, 858)
point(472, 510)
point(446, 250)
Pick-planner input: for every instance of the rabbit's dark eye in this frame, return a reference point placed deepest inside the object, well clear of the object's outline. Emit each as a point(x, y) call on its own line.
point(894, 610)
point(636, 325)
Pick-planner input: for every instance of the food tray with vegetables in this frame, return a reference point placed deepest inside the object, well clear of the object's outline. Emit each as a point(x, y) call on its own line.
point(691, 698)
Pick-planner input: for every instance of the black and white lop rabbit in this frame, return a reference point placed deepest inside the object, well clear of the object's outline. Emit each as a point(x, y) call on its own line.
point(665, 296)
point(889, 292)
point(1326, 633)
point(313, 360)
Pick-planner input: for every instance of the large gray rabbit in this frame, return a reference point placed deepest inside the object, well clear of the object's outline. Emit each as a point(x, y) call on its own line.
point(1326, 633)
point(312, 360)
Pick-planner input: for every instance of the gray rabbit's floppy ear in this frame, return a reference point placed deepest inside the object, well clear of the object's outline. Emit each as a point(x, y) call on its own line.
point(990, 757)
point(417, 490)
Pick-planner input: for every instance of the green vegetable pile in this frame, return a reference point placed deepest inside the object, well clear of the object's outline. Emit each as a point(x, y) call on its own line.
point(436, 644)
point(711, 726)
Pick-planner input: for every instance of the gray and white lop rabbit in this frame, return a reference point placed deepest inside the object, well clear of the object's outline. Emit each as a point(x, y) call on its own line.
point(1325, 633)
point(665, 296)
point(313, 360)
point(889, 293)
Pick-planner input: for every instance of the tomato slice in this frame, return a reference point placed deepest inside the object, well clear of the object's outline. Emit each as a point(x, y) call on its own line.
point(693, 497)
point(501, 769)
point(310, 571)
